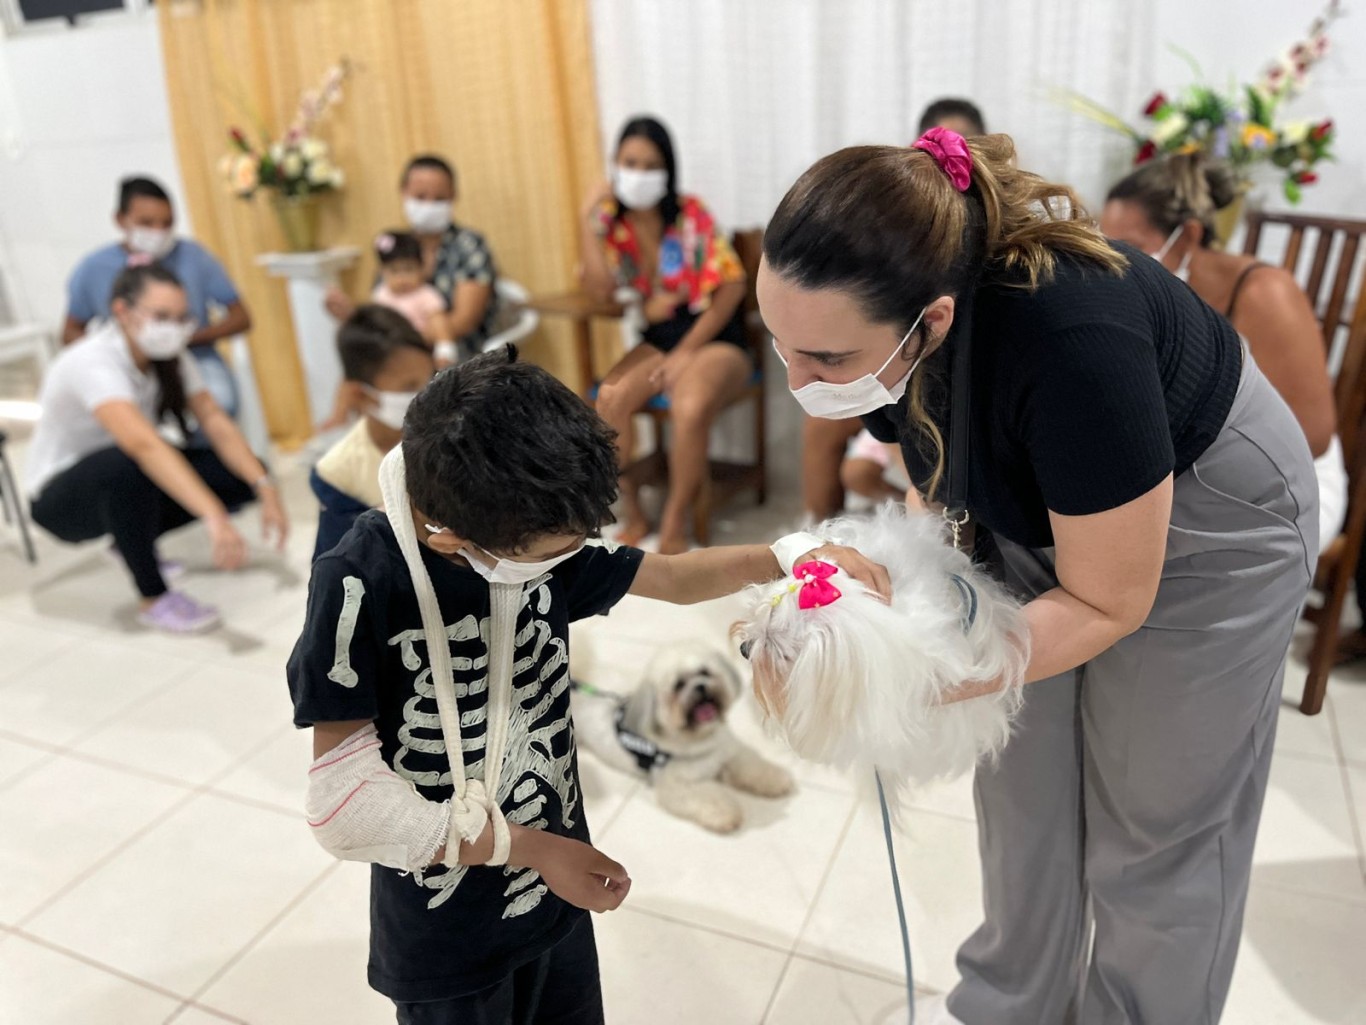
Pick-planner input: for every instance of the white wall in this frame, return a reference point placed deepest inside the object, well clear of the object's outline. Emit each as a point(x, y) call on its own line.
point(1237, 39)
point(79, 109)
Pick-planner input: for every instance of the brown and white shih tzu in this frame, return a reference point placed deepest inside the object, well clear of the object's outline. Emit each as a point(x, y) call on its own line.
point(672, 732)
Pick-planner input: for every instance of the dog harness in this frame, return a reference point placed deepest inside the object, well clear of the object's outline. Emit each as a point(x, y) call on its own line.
point(645, 751)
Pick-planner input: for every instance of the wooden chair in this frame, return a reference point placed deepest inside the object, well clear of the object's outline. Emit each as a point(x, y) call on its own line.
point(725, 479)
point(1337, 242)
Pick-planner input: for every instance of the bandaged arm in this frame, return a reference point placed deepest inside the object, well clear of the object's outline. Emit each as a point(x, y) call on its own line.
point(359, 809)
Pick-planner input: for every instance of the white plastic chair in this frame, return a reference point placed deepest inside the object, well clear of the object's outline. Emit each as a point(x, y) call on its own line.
point(26, 341)
point(518, 319)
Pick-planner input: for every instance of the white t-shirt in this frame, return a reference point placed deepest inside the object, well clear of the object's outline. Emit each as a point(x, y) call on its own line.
point(84, 376)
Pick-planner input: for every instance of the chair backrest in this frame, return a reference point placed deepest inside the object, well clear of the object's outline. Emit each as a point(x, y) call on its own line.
point(1327, 280)
point(749, 247)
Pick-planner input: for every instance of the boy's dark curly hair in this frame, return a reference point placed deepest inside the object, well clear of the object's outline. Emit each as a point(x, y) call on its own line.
point(501, 453)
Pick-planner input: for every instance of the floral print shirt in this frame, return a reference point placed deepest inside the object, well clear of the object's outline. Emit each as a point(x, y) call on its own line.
point(695, 256)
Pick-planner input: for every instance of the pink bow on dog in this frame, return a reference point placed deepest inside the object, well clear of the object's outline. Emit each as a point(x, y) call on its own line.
point(816, 587)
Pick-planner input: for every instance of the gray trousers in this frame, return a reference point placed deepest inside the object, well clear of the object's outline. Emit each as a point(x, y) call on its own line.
point(1128, 799)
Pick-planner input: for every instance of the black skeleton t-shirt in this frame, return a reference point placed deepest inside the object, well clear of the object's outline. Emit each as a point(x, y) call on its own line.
point(445, 932)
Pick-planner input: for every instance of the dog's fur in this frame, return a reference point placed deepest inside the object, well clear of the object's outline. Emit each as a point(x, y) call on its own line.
point(857, 683)
point(681, 707)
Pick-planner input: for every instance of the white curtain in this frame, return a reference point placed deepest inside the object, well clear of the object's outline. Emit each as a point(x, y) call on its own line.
point(754, 91)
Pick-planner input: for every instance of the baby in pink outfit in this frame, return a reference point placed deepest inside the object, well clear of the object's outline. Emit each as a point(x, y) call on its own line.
point(403, 287)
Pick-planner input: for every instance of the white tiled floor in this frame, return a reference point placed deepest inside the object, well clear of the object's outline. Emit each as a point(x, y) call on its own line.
point(154, 866)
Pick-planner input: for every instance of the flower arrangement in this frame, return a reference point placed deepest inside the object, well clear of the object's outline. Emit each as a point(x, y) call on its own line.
point(1239, 126)
point(298, 164)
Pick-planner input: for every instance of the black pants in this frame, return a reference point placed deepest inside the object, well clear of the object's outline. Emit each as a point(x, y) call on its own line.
point(107, 493)
point(561, 987)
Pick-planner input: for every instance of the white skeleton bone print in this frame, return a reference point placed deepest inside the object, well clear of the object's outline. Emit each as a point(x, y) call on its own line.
point(533, 771)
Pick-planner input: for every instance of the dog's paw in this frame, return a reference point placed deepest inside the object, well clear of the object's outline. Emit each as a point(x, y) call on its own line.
point(720, 818)
point(770, 780)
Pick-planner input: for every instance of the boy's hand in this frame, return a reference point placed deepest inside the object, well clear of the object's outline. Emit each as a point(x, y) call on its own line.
point(580, 874)
point(856, 564)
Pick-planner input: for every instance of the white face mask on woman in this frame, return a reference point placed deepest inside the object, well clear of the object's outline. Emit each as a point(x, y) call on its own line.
point(863, 395)
point(163, 339)
point(506, 571)
point(1182, 271)
point(639, 190)
point(427, 216)
point(153, 242)
point(390, 406)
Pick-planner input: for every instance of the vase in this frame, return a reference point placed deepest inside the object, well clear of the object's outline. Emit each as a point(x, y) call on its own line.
point(1226, 221)
point(298, 217)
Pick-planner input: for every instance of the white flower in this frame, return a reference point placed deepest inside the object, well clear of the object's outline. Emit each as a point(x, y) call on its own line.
point(277, 153)
point(293, 165)
point(320, 172)
point(338, 178)
point(1295, 132)
point(1169, 128)
point(313, 149)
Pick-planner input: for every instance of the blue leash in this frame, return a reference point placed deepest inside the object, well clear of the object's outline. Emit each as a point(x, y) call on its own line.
point(900, 906)
point(969, 595)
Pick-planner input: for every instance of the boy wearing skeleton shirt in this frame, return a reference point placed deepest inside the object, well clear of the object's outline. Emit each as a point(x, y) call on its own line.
point(482, 867)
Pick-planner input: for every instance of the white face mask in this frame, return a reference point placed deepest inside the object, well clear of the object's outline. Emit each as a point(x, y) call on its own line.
point(1182, 271)
point(846, 401)
point(427, 216)
point(163, 339)
point(639, 190)
point(506, 571)
point(390, 406)
point(153, 242)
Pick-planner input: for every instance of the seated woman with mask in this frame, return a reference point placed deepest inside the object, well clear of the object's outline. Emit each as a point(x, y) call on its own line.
point(1166, 208)
point(98, 466)
point(639, 232)
point(455, 259)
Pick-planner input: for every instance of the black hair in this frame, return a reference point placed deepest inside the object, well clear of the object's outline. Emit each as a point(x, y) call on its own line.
point(652, 129)
point(502, 453)
point(131, 188)
point(393, 246)
point(368, 337)
point(129, 286)
point(952, 106)
point(429, 162)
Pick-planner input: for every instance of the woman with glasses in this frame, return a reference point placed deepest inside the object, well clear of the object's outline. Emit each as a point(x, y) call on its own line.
point(98, 465)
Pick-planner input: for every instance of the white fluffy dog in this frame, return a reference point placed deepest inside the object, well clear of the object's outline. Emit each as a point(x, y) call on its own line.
point(672, 731)
point(856, 683)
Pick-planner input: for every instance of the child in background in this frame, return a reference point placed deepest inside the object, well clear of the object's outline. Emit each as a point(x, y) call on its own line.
point(403, 286)
point(433, 669)
point(874, 471)
point(385, 363)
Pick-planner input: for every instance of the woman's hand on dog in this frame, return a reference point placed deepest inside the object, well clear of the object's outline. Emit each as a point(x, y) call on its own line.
point(578, 873)
point(868, 573)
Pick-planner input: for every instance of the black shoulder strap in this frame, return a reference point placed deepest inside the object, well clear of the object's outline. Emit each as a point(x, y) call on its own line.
point(1238, 287)
point(960, 415)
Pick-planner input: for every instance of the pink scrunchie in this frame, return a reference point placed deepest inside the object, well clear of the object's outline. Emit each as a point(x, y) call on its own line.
point(951, 153)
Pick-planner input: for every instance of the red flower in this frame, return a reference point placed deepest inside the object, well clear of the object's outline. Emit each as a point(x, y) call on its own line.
point(1320, 132)
point(238, 137)
point(1306, 178)
point(1154, 105)
point(1146, 152)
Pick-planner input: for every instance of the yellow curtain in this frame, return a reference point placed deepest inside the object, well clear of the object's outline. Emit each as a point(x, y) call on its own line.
point(502, 88)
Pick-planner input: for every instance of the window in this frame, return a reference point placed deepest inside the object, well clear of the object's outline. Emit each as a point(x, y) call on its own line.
point(20, 14)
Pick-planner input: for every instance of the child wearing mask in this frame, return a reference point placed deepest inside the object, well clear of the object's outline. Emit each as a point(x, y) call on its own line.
point(385, 363)
point(433, 670)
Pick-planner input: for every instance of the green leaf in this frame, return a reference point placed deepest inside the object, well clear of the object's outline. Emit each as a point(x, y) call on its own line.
point(1292, 191)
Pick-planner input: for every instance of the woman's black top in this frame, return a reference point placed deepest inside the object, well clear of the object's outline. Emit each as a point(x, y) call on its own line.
point(1086, 393)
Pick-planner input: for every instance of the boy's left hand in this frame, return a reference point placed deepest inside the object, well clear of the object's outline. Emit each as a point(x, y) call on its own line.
point(868, 573)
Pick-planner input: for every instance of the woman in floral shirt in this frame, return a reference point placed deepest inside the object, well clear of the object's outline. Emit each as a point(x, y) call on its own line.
point(640, 233)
